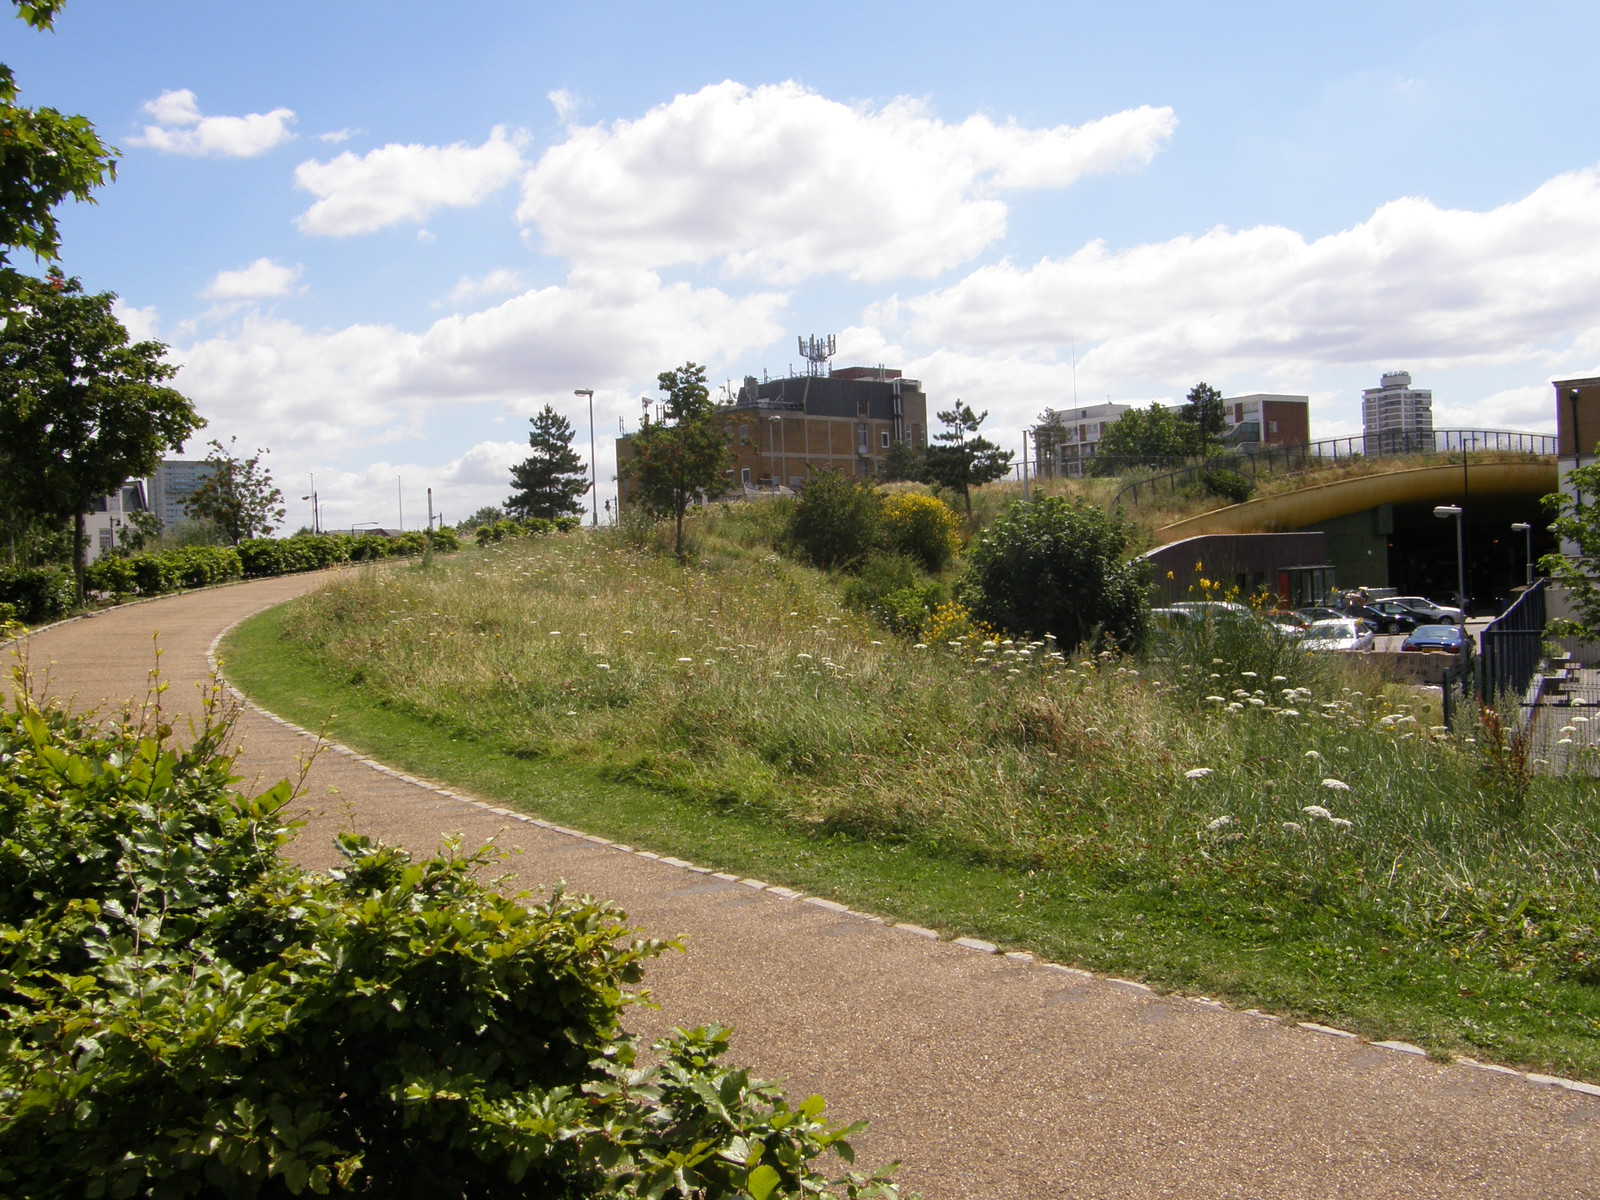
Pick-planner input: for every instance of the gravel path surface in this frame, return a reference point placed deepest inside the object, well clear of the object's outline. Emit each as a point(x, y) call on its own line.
point(987, 1074)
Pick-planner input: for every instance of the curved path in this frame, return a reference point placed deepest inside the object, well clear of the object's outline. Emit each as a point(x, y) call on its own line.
point(989, 1075)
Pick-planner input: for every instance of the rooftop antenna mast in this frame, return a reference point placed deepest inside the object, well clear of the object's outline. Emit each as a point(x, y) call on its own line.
point(816, 351)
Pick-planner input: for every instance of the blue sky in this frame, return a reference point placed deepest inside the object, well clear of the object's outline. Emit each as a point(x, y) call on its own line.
point(378, 236)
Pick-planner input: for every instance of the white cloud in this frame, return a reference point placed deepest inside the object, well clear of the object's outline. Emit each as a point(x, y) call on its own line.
point(304, 392)
point(564, 102)
point(500, 282)
point(1530, 409)
point(779, 183)
point(261, 278)
point(335, 136)
point(181, 129)
point(141, 323)
point(396, 183)
point(1417, 284)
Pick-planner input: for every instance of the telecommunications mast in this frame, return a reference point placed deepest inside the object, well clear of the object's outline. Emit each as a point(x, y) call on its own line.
point(816, 351)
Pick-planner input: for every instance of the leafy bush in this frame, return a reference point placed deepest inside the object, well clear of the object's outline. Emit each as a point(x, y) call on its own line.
point(894, 591)
point(1228, 484)
point(1050, 567)
point(111, 576)
point(186, 1014)
point(37, 593)
point(835, 522)
point(921, 527)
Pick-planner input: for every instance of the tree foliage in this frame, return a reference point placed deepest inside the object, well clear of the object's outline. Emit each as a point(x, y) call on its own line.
point(901, 464)
point(1205, 416)
point(835, 522)
point(1052, 567)
point(962, 460)
point(682, 455)
point(1153, 437)
point(236, 495)
point(82, 409)
point(549, 481)
point(1577, 520)
point(45, 158)
point(186, 1014)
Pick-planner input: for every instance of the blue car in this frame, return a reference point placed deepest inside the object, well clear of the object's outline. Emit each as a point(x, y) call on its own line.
point(1451, 639)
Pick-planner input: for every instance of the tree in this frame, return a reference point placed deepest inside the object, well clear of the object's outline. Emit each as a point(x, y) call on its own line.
point(45, 158)
point(1577, 520)
point(963, 460)
point(1048, 566)
point(236, 496)
point(902, 462)
point(549, 481)
point(836, 521)
point(487, 515)
point(1150, 437)
point(684, 453)
point(82, 410)
point(1205, 416)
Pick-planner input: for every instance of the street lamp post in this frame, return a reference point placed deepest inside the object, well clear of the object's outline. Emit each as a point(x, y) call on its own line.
point(1526, 530)
point(1454, 510)
point(594, 478)
point(776, 418)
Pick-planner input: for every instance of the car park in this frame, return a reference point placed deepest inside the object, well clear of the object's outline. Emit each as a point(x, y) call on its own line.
point(1388, 616)
point(1449, 639)
point(1342, 633)
point(1436, 614)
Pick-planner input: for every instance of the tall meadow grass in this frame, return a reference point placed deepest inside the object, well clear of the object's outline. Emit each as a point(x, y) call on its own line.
point(1216, 770)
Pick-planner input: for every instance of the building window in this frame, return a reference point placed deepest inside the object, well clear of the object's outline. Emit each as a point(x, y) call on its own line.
point(862, 443)
point(744, 476)
point(1272, 427)
point(883, 439)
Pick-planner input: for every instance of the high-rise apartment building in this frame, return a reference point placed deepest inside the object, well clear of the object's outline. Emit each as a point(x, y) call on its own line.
point(1397, 418)
point(171, 486)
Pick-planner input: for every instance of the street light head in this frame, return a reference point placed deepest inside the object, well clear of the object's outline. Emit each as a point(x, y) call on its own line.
point(1521, 526)
point(1447, 510)
point(583, 392)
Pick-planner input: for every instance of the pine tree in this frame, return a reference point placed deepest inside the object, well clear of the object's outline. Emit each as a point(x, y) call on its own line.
point(549, 481)
point(963, 460)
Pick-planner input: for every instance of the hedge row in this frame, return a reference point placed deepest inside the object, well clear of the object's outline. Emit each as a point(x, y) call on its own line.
point(184, 1013)
point(499, 531)
point(198, 566)
point(33, 595)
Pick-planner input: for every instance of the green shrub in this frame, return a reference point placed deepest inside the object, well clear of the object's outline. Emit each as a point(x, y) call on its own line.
point(37, 593)
point(1228, 484)
point(921, 527)
point(835, 522)
point(111, 576)
point(184, 1013)
point(1047, 566)
point(444, 539)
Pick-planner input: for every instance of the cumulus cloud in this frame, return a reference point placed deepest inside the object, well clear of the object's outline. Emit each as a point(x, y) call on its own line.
point(181, 129)
point(564, 102)
point(262, 278)
point(499, 282)
point(331, 390)
point(1413, 283)
point(335, 136)
point(399, 183)
point(1530, 409)
point(141, 323)
point(779, 183)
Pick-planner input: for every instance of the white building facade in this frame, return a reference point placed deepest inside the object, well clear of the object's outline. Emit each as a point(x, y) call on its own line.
point(1066, 438)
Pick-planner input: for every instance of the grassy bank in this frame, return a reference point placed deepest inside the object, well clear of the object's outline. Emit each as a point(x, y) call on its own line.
point(1236, 820)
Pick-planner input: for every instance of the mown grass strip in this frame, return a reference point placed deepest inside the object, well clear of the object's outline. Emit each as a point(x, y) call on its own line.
point(1332, 965)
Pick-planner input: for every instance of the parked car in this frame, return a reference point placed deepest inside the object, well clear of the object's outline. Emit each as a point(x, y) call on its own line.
point(1438, 614)
point(1319, 612)
point(1343, 633)
point(1388, 616)
point(1451, 639)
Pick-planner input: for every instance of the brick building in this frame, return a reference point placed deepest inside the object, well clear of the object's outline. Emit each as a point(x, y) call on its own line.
point(783, 431)
point(1265, 419)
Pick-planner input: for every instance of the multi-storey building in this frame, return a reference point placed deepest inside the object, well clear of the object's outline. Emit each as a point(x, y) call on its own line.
point(171, 486)
point(1266, 419)
point(783, 431)
point(1064, 439)
point(1397, 418)
point(108, 515)
point(1577, 435)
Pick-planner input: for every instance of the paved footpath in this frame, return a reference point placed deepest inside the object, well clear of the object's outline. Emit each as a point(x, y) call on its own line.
point(988, 1075)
